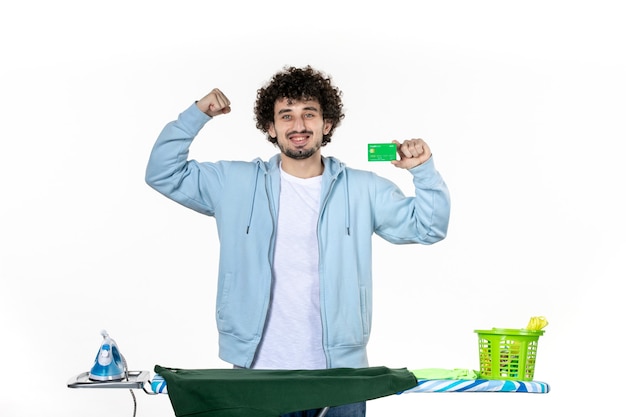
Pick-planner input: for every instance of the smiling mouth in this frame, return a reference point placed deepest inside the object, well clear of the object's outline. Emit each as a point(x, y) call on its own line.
point(299, 140)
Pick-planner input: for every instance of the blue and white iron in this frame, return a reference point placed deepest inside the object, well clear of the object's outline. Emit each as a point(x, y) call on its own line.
point(109, 364)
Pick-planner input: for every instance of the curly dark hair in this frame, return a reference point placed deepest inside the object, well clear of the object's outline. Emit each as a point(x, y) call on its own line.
point(299, 84)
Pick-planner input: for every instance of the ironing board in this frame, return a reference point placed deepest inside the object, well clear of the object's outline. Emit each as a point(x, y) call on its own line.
point(156, 384)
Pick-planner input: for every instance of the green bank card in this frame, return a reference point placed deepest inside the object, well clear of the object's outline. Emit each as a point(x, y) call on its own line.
point(381, 152)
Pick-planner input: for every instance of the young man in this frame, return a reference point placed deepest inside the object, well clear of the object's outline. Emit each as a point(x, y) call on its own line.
point(295, 272)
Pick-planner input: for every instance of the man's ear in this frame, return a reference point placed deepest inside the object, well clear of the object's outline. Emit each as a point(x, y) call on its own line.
point(327, 126)
point(271, 130)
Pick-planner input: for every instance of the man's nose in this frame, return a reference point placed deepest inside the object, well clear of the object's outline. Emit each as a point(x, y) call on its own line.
point(299, 124)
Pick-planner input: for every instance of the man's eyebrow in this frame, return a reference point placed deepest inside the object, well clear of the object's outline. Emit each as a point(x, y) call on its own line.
point(307, 108)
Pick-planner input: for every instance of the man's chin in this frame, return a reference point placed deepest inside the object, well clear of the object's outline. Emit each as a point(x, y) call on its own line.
point(298, 153)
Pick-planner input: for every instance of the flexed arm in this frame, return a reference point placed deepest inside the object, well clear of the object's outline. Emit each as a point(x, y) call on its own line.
point(424, 217)
point(193, 184)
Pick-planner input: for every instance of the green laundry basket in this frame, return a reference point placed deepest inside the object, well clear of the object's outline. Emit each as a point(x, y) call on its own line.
point(508, 354)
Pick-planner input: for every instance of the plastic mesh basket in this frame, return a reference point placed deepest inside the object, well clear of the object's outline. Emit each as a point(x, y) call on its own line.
point(508, 353)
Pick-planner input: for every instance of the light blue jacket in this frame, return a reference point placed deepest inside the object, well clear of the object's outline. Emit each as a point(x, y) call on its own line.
point(243, 198)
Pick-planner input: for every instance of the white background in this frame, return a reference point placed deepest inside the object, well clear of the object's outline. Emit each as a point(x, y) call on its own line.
point(522, 103)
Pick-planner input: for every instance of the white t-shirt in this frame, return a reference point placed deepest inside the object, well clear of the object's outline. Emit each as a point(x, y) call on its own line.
point(293, 333)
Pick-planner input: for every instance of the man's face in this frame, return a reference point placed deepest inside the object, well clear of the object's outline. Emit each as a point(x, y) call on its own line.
point(298, 127)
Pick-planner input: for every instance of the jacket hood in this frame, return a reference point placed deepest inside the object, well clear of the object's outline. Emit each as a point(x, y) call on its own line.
point(333, 168)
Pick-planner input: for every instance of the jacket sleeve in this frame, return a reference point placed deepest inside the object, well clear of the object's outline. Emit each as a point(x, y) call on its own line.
point(422, 218)
point(170, 172)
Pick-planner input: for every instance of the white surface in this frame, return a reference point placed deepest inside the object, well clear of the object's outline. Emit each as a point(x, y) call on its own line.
point(522, 104)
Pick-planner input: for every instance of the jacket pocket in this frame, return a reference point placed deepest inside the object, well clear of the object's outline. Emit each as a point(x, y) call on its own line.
point(222, 303)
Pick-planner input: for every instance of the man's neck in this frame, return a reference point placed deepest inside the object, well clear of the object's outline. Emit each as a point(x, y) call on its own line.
point(303, 168)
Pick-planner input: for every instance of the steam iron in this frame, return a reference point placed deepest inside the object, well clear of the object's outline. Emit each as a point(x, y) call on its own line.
point(109, 364)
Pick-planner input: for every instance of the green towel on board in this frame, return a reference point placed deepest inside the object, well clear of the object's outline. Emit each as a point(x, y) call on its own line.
point(271, 393)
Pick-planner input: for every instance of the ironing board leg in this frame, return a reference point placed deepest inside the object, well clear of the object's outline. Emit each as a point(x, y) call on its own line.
point(322, 412)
